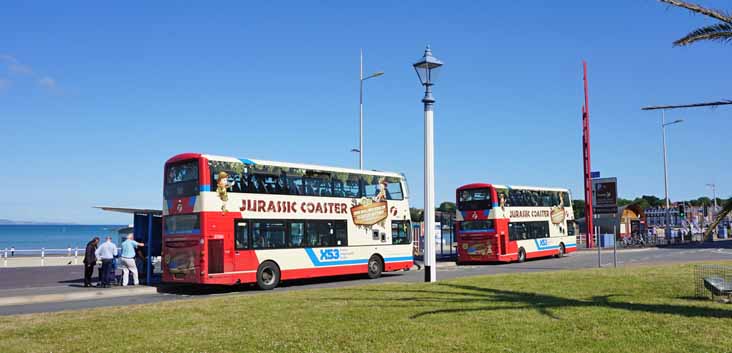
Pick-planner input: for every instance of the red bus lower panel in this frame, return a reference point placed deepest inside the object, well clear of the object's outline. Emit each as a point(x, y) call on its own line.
point(251, 276)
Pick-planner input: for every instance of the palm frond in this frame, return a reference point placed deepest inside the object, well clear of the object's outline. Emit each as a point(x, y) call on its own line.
point(719, 32)
point(717, 14)
point(720, 216)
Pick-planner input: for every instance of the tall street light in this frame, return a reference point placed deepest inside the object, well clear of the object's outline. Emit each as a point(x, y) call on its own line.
point(424, 68)
point(714, 197)
point(360, 110)
point(665, 171)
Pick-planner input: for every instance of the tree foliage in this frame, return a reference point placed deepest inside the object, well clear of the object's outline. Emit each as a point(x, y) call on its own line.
point(726, 209)
point(447, 206)
point(417, 214)
point(578, 206)
point(721, 32)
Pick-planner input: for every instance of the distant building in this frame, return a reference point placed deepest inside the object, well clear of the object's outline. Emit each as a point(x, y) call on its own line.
point(628, 220)
point(632, 219)
point(656, 217)
point(696, 216)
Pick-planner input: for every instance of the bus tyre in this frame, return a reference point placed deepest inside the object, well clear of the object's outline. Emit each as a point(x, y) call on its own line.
point(268, 275)
point(376, 266)
point(562, 251)
point(521, 255)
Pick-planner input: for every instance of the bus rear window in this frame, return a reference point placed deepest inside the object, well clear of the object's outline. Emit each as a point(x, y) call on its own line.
point(474, 199)
point(181, 179)
point(182, 224)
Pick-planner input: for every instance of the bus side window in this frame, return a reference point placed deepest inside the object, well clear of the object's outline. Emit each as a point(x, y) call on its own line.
point(341, 233)
point(371, 186)
point(241, 235)
point(394, 189)
point(400, 232)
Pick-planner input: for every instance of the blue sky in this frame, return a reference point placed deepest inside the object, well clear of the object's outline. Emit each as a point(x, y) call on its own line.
point(94, 97)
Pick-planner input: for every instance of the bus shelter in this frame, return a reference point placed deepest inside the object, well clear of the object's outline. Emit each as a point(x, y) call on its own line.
point(146, 228)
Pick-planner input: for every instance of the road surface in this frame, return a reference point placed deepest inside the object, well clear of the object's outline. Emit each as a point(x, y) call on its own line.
point(28, 280)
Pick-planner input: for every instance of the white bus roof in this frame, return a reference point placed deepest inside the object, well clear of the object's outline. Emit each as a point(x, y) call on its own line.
point(522, 187)
point(301, 166)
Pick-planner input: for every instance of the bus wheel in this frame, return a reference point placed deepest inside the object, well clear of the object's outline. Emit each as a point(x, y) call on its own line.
point(521, 255)
point(268, 275)
point(561, 250)
point(375, 266)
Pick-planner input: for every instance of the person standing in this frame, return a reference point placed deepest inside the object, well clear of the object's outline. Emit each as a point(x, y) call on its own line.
point(12, 251)
point(90, 259)
point(128, 260)
point(106, 253)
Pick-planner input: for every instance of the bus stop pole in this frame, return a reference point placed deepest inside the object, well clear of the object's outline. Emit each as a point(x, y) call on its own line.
point(148, 261)
point(597, 244)
point(615, 247)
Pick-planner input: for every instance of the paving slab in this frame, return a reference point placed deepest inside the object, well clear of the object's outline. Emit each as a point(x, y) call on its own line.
point(67, 293)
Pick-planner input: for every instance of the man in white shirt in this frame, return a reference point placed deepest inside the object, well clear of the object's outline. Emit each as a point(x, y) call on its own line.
point(106, 253)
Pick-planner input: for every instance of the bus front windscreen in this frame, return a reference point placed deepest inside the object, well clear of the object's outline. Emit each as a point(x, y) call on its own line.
point(474, 199)
point(181, 179)
point(182, 224)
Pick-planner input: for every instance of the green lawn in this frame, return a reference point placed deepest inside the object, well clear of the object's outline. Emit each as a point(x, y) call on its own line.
point(639, 309)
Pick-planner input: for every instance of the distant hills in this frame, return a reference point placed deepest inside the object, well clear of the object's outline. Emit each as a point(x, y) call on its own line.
point(11, 222)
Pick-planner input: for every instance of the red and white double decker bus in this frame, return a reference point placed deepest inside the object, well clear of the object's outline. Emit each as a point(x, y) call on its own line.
point(232, 221)
point(513, 223)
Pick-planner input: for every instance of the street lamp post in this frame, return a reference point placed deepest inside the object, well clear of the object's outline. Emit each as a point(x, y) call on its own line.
point(424, 68)
point(665, 171)
point(714, 210)
point(360, 110)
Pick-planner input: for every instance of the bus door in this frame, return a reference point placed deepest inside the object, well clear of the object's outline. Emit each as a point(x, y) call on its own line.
point(215, 256)
point(244, 258)
point(511, 247)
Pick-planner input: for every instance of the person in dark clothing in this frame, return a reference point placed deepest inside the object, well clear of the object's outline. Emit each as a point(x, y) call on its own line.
point(90, 260)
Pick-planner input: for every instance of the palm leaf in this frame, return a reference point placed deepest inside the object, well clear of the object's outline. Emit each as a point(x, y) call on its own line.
point(720, 216)
point(719, 32)
point(717, 14)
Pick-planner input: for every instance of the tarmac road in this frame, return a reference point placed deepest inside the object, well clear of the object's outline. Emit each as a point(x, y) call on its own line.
point(27, 281)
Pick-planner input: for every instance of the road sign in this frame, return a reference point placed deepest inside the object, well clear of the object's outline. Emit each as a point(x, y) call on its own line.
point(594, 175)
point(605, 195)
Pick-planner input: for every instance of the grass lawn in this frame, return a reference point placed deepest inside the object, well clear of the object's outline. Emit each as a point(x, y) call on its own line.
point(637, 309)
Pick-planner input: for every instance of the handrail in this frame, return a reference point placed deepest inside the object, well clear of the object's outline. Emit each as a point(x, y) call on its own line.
point(43, 251)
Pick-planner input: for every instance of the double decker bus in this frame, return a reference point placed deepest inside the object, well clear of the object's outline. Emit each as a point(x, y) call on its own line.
point(513, 223)
point(232, 221)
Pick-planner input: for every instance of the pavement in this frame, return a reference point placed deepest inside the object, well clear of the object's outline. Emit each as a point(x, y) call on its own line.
point(22, 296)
point(58, 288)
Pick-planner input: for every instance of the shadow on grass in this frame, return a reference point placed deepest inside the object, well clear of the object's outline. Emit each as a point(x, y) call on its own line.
point(498, 299)
point(316, 282)
point(694, 298)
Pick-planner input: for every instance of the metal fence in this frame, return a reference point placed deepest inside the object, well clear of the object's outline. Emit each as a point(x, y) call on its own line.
point(41, 254)
point(718, 275)
point(641, 241)
point(445, 241)
point(447, 250)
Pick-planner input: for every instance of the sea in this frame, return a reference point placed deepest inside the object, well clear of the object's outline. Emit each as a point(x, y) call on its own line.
point(34, 237)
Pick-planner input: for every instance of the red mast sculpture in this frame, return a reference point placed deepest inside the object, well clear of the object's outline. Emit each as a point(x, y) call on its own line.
point(586, 157)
